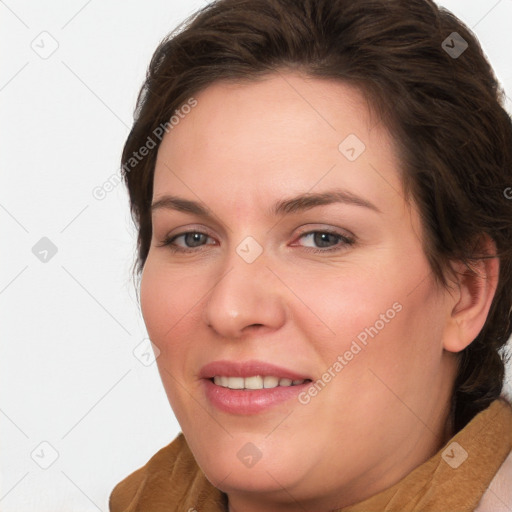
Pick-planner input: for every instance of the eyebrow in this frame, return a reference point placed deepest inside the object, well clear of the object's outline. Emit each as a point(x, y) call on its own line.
point(295, 204)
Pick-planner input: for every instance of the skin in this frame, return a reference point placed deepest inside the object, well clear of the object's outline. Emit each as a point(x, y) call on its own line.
point(243, 147)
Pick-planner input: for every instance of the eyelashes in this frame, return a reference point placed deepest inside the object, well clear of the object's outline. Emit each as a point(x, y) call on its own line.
point(169, 241)
point(318, 237)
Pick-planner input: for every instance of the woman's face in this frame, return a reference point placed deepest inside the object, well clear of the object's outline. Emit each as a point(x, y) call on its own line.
point(331, 293)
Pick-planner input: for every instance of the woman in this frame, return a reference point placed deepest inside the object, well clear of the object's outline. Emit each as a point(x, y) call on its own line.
point(324, 245)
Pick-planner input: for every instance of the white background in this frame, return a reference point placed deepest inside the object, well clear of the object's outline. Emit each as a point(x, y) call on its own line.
point(69, 326)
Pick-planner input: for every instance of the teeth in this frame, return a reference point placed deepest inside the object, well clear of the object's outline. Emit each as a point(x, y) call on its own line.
point(270, 382)
point(234, 382)
point(254, 382)
point(251, 382)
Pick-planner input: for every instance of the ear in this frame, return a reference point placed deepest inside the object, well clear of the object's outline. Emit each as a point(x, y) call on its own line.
point(474, 291)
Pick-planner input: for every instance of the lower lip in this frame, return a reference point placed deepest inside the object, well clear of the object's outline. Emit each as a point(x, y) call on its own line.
point(240, 401)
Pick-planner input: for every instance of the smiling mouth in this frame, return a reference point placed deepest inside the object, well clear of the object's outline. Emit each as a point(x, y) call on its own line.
point(255, 382)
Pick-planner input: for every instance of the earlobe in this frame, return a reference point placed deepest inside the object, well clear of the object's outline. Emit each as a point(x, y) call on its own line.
point(476, 284)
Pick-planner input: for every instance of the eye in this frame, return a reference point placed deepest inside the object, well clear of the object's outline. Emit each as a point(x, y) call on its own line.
point(192, 240)
point(325, 239)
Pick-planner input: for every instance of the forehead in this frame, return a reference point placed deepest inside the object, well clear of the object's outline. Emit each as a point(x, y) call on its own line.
point(287, 132)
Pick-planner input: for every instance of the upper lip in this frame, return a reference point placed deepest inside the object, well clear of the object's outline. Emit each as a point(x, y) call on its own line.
point(227, 368)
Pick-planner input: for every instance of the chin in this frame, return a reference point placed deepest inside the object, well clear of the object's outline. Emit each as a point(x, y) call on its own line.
point(250, 463)
point(263, 479)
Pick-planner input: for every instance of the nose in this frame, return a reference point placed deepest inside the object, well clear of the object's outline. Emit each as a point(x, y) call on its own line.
point(246, 296)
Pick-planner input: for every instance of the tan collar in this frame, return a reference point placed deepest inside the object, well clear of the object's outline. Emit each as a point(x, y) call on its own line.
point(444, 482)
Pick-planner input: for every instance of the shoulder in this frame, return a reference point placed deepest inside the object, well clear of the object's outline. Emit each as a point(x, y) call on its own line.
point(126, 494)
point(498, 496)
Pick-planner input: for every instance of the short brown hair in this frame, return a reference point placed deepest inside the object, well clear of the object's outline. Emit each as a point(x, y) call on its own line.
point(444, 111)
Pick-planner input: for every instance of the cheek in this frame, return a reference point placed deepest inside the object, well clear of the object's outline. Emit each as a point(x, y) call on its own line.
point(342, 306)
point(385, 316)
point(170, 307)
point(169, 303)
point(402, 348)
point(155, 301)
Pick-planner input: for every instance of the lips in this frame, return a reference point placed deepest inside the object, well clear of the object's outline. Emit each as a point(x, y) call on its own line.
point(236, 387)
